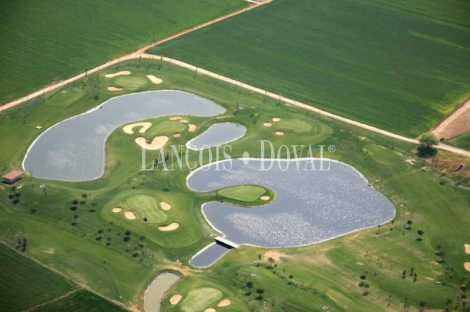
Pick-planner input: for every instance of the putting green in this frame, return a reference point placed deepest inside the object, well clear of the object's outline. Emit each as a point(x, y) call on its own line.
point(199, 298)
point(166, 127)
point(243, 192)
point(131, 82)
point(298, 126)
point(146, 207)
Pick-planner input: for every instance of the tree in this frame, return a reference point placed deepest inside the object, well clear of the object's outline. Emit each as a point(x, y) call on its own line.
point(75, 203)
point(249, 284)
point(422, 304)
point(420, 233)
point(75, 219)
point(260, 292)
point(428, 140)
point(271, 261)
point(291, 277)
point(366, 285)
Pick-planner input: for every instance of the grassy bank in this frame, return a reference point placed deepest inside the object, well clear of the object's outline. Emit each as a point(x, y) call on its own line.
point(398, 66)
point(91, 244)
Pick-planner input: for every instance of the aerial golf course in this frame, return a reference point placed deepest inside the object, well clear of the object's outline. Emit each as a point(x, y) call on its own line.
point(87, 229)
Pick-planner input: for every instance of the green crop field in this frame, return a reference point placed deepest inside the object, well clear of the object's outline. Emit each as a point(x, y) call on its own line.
point(117, 258)
point(397, 65)
point(462, 141)
point(25, 284)
point(47, 40)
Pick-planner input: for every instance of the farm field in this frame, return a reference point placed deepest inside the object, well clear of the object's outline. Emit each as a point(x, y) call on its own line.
point(91, 245)
point(49, 40)
point(462, 141)
point(400, 66)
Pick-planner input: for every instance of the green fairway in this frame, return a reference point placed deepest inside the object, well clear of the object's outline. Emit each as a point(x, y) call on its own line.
point(131, 82)
point(81, 301)
point(51, 40)
point(118, 258)
point(297, 126)
point(401, 65)
point(199, 298)
point(246, 193)
point(165, 127)
point(25, 284)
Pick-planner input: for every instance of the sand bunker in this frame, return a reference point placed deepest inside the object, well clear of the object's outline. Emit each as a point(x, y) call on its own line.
point(184, 121)
point(279, 133)
point(276, 119)
point(275, 254)
point(267, 124)
point(265, 197)
point(130, 215)
point(124, 72)
point(116, 210)
point(114, 89)
point(192, 127)
point(165, 206)
point(157, 143)
point(224, 303)
point(175, 299)
point(210, 310)
point(176, 135)
point(154, 79)
point(145, 126)
point(467, 266)
point(467, 248)
point(176, 118)
point(170, 227)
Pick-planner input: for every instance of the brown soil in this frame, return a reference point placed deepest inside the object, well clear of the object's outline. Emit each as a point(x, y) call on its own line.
point(457, 123)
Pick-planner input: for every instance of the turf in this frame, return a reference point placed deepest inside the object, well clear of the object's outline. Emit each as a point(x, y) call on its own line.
point(81, 301)
point(49, 40)
point(246, 193)
point(401, 66)
point(146, 207)
point(26, 284)
point(96, 250)
point(199, 298)
point(130, 82)
point(297, 126)
point(165, 127)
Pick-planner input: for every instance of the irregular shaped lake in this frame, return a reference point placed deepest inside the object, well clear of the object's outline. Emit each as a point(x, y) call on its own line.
point(74, 149)
point(311, 206)
point(155, 292)
point(217, 134)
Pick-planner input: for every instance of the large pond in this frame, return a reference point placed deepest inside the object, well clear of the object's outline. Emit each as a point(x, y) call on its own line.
point(155, 292)
point(310, 206)
point(217, 134)
point(74, 149)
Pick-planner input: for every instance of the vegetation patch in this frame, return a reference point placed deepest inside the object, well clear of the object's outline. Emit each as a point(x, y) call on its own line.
point(199, 298)
point(165, 127)
point(246, 193)
point(131, 82)
point(146, 207)
point(298, 126)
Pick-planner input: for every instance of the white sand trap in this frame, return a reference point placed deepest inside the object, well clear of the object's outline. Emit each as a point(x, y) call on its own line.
point(175, 299)
point(192, 127)
point(279, 133)
point(154, 79)
point(130, 215)
point(210, 310)
point(165, 206)
point(184, 120)
point(116, 210)
point(129, 129)
point(114, 89)
point(268, 124)
point(124, 72)
point(170, 227)
point(276, 119)
point(467, 266)
point(224, 303)
point(265, 197)
point(467, 248)
point(157, 143)
point(176, 135)
point(176, 118)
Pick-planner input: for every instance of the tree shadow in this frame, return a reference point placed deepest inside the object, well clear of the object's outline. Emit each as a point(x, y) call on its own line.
point(424, 152)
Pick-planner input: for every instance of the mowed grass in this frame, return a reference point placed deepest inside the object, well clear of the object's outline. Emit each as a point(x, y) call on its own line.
point(75, 35)
point(25, 284)
point(400, 66)
point(165, 127)
point(298, 126)
point(131, 82)
point(81, 301)
point(246, 193)
point(146, 207)
point(199, 298)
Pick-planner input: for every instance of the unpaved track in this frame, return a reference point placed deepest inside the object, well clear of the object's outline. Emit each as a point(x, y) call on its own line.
point(457, 123)
point(141, 54)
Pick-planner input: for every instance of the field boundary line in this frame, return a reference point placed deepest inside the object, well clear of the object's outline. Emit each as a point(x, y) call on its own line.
point(127, 56)
point(52, 300)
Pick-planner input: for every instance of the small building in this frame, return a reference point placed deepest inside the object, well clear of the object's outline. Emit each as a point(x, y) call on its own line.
point(12, 177)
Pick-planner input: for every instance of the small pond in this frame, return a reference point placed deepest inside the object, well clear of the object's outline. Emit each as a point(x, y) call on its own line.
point(311, 206)
point(74, 149)
point(155, 292)
point(217, 134)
